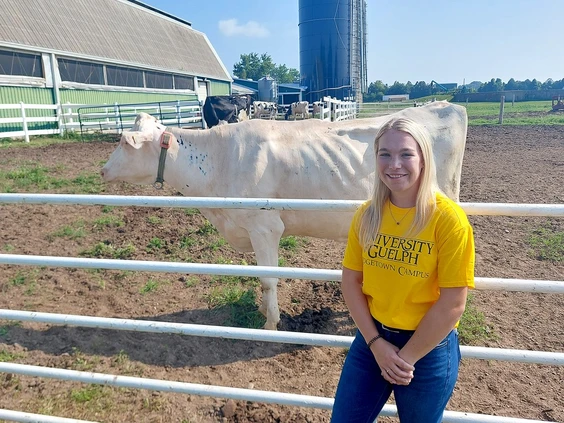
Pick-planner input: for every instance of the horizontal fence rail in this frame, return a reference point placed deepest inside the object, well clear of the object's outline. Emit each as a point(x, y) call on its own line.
point(226, 392)
point(260, 335)
point(485, 284)
point(523, 356)
point(18, 416)
point(482, 209)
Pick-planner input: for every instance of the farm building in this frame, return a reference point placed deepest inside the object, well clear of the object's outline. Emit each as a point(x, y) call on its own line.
point(102, 52)
point(395, 97)
point(285, 93)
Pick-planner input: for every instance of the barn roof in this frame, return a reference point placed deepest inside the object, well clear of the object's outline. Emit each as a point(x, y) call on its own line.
point(126, 32)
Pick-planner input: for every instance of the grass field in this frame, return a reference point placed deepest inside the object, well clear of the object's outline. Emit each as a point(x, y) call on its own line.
point(519, 113)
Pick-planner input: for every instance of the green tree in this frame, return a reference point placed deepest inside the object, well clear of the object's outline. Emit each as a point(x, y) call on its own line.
point(397, 88)
point(511, 85)
point(252, 66)
point(375, 91)
point(284, 75)
point(420, 89)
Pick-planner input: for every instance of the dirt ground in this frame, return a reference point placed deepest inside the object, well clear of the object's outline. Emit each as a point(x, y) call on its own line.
point(502, 164)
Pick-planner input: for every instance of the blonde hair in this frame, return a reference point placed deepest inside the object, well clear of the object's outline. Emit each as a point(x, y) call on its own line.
point(425, 205)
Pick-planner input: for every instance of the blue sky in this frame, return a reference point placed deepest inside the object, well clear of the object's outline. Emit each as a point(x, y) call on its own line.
point(441, 40)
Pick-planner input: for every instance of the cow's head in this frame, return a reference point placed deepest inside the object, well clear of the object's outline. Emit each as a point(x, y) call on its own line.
point(136, 159)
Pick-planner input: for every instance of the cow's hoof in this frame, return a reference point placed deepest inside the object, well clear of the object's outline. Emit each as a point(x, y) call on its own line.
point(270, 326)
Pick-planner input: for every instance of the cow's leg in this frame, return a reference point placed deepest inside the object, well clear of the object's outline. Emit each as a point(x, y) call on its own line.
point(265, 240)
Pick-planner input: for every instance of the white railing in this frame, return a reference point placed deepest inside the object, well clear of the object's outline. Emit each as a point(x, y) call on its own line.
point(112, 117)
point(329, 109)
point(237, 333)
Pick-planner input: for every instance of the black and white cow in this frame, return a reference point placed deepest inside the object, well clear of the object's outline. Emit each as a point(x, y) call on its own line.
point(221, 109)
point(298, 108)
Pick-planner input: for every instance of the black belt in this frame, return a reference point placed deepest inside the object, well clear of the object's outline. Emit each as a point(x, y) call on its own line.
point(394, 330)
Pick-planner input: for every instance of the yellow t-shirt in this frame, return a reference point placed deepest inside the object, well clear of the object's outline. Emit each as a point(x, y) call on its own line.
point(402, 275)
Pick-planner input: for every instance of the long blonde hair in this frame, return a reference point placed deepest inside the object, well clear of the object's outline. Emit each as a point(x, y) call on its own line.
point(426, 196)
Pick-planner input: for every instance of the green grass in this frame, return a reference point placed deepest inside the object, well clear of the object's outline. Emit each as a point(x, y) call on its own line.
point(519, 113)
point(150, 286)
point(88, 393)
point(106, 250)
point(6, 356)
point(473, 328)
point(73, 231)
point(547, 244)
point(155, 244)
point(154, 220)
point(206, 229)
point(68, 138)
point(187, 242)
point(240, 305)
point(34, 177)
point(110, 221)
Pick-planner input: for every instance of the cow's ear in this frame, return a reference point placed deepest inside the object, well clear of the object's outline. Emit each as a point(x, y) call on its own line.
point(136, 139)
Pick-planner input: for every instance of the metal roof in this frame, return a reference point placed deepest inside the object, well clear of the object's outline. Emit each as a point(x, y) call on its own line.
point(115, 31)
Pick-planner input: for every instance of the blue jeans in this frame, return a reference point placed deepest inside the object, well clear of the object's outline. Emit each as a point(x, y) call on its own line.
point(362, 391)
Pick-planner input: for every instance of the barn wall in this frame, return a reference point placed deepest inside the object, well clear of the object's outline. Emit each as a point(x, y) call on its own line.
point(219, 88)
point(121, 97)
point(27, 95)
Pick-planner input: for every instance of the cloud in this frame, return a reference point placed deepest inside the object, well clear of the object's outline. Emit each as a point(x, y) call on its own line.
point(231, 28)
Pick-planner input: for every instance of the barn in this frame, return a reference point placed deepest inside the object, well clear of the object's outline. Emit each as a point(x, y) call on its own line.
point(102, 52)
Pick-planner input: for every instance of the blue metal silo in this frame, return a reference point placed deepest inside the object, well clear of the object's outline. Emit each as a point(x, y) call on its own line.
point(332, 47)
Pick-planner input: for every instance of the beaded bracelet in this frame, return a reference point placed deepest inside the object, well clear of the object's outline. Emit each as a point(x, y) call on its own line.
point(369, 343)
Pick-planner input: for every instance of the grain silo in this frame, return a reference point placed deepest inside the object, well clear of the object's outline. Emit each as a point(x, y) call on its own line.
point(333, 48)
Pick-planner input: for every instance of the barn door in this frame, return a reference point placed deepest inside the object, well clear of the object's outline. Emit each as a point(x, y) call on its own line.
point(202, 91)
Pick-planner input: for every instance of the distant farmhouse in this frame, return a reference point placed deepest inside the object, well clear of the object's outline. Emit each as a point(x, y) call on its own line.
point(103, 52)
point(395, 97)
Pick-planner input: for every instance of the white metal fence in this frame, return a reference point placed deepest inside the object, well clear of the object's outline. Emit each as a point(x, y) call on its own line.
point(329, 109)
point(237, 333)
point(106, 117)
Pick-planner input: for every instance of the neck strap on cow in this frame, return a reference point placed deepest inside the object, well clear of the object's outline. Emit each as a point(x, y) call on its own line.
point(166, 136)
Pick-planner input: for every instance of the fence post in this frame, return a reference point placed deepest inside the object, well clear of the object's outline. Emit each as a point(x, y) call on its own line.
point(24, 122)
point(116, 114)
point(178, 112)
point(501, 108)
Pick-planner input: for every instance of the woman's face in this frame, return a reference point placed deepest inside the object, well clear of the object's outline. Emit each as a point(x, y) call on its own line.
point(400, 163)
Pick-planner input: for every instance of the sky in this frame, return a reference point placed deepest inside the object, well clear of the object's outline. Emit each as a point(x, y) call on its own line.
point(411, 40)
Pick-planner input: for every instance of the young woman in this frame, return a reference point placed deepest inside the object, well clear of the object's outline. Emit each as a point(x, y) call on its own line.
point(407, 267)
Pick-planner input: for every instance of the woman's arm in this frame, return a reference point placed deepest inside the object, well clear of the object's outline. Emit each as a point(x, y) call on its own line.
point(436, 324)
point(385, 354)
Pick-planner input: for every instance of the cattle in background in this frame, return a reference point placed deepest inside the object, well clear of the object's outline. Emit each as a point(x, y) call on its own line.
point(265, 109)
point(317, 109)
point(222, 109)
point(298, 108)
point(273, 159)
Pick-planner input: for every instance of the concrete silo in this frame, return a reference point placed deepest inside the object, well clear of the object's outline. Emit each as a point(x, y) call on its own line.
point(333, 48)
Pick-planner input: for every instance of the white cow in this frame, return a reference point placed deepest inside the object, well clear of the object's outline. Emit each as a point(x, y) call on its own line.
point(298, 108)
point(276, 159)
point(317, 109)
point(264, 109)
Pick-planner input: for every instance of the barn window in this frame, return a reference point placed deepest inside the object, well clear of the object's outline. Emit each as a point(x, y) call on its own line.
point(158, 80)
point(124, 77)
point(183, 83)
point(83, 72)
point(22, 64)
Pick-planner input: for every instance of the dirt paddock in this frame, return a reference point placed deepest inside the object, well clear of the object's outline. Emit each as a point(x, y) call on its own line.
point(502, 164)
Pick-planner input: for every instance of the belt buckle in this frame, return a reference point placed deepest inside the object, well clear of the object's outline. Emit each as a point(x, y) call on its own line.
point(390, 329)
